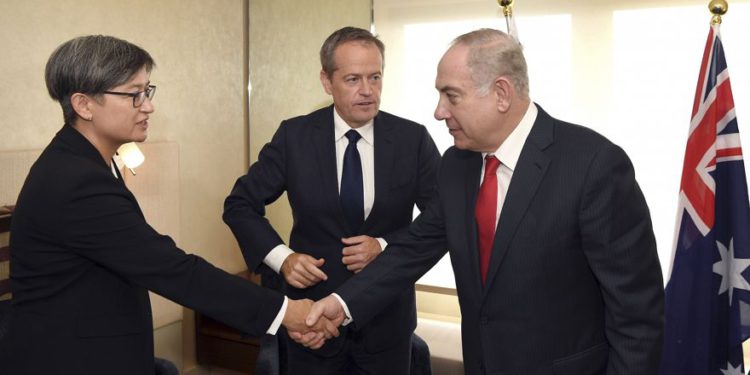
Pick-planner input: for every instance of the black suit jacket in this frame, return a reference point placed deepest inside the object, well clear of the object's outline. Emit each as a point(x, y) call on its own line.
point(574, 284)
point(82, 260)
point(301, 160)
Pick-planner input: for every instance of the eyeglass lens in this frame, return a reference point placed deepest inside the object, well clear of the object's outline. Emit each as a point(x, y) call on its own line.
point(141, 97)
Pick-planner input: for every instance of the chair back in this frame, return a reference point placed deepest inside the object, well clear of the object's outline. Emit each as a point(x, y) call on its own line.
point(5, 216)
point(5, 294)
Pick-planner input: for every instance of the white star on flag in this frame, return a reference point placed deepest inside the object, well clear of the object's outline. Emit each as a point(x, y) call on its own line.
point(731, 370)
point(730, 269)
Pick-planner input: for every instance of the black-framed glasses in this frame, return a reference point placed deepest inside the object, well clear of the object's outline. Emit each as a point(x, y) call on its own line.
point(138, 97)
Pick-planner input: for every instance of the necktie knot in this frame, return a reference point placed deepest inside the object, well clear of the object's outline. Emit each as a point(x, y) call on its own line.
point(491, 164)
point(353, 136)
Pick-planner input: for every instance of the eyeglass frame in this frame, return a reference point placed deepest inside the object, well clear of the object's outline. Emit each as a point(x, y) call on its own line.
point(147, 93)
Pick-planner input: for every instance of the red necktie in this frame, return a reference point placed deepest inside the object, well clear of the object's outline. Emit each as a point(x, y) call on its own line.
point(486, 212)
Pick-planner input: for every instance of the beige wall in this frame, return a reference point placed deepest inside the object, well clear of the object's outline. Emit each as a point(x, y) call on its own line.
point(285, 37)
point(198, 46)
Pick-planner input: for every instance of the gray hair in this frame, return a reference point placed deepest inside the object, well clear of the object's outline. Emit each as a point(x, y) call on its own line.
point(341, 36)
point(493, 53)
point(91, 65)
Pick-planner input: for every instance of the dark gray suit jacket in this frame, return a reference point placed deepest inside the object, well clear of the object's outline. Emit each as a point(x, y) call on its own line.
point(574, 284)
point(301, 161)
point(82, 260)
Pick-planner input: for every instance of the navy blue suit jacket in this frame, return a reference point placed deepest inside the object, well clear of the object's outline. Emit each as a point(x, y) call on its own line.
point(574, 285)
point(301, 161)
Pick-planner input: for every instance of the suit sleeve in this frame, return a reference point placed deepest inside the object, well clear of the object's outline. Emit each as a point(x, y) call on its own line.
point(245, 207)
point(410, 256)
point(619, 243)
point(102, 223)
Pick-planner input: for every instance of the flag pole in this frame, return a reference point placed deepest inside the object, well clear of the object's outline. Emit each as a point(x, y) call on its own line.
point(507, 6)
point(718, 8)
point(510, 24)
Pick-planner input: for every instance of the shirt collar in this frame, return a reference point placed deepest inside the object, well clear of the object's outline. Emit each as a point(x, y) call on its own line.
point(510, 150)
point(341, 127)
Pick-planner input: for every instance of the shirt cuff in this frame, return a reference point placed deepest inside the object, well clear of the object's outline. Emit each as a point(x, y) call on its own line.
point(279, 318)
point(383, 243)
point(277, 256)
point(348, 318)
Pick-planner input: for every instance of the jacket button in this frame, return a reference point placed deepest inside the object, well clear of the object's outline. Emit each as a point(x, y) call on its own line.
point(483, 320)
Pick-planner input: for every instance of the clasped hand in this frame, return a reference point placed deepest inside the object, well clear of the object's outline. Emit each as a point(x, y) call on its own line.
point(321, 322)
point(309, 333)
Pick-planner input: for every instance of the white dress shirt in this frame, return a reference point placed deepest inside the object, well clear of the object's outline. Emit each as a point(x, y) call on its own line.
point(508, 154)
point(366, 149)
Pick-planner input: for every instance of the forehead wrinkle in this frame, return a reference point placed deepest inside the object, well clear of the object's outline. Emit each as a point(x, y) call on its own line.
point(446, 88)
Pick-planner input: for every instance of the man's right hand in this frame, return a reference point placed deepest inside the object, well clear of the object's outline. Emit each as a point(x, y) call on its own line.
point(327, 308)
point(302, 271)
point(325, 313)
point(311, 335)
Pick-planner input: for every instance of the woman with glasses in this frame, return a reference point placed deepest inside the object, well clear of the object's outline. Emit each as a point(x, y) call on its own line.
point(83, 256)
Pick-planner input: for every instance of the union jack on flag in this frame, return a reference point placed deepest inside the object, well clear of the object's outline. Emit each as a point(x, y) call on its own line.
point(707, 310)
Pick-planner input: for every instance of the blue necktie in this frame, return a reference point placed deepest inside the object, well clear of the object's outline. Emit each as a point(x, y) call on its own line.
point(352, 190)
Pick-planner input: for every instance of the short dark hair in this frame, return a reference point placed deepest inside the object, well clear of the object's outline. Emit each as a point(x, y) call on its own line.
point(91, 65)
point(341, 36)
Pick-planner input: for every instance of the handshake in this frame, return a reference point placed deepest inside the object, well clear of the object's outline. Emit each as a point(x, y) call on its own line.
point(311, 324)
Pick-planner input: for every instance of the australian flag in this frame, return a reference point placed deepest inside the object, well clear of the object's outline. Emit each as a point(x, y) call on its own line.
point(707, 313)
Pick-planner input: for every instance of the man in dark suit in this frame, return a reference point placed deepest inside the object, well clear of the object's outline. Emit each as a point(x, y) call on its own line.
point(548, 232)
point(351, 173)
point(83, 256)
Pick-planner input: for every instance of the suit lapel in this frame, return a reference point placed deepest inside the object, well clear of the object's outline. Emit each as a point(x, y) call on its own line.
point(325, 148)
point(530, 169)
point(81, 146)
point(472, 172)
point(384, 165)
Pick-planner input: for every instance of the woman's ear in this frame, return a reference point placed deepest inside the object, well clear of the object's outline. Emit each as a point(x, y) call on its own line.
point(82, 106)
point(504, 92)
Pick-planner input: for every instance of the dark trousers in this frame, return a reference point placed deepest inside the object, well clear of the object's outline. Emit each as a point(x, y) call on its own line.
point(353, 359)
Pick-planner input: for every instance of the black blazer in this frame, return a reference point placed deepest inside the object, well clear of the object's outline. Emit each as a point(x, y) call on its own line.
point(82, 260)
point(301, 160)
point(574, 284)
